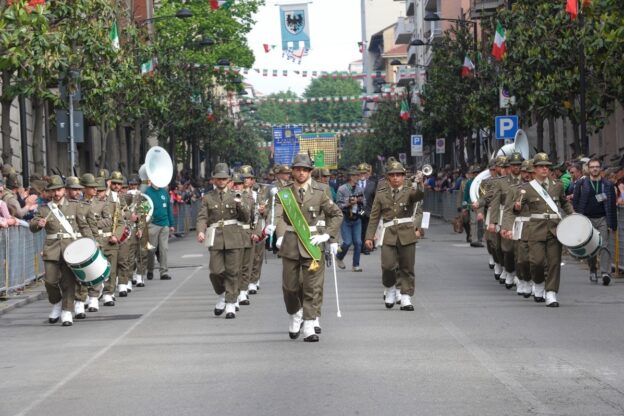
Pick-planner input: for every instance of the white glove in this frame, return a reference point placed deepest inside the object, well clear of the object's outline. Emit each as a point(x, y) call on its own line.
point(319, 238)
point(269, 229)
point(278, 243)
point(274, 190)
point(333, 248)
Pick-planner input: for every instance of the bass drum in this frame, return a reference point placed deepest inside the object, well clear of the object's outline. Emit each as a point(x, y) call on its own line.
point(577, 233)
point(87, 262)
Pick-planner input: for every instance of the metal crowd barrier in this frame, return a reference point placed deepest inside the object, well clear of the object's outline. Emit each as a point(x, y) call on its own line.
point(185, 216)
point(20, 256)
point(444, 205)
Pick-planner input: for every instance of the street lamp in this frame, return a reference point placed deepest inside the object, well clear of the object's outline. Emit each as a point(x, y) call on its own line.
point(181, 14)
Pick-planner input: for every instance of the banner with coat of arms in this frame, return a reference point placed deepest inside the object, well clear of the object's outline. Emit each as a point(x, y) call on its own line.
point(295, 27)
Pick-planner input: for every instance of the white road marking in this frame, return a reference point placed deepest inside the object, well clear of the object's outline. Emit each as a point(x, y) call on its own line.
point(191, 256)
point(103, 351)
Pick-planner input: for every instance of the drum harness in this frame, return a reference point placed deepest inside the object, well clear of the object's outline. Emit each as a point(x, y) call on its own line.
point(70, 233)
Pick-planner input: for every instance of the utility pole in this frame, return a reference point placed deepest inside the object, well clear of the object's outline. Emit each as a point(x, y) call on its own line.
point(364, 47)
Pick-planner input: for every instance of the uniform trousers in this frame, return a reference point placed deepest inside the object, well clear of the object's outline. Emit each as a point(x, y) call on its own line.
point(224, 269)
point(600, 224)
point(545, 256)
point(112, 255)
point(142, 253)
point(83, 293)
point(523, 268)
point(397, 267)
point(125, 260)
point(60, 283)
point(302, 287)
point(508, 249)
point(258, 258)
point(244, 276)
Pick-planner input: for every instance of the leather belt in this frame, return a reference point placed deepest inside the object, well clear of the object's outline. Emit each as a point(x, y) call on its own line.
point(223, 223)
point(244, 226)
point(545, 216)
point(398, 221)
point(61, 236)
point(522, 219)
point(101, 234)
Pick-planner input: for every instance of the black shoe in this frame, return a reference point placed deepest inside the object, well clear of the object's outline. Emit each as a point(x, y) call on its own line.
point(111, 303)
point(230, 315)
point(407, 308)
point(497, 276)
point(491, 266)
point(509, 286)
point(478, 244)
point(123, 294)
point(53, 320)
point(366, 253)
point(218, 312)
point(389, 305)
point(526, 295)
point(539, 300)
point(150, 275)
point(140, 284)
point(317, 329)
point(165, 277)
point(294, 335)
point(80, 316)
point(237, 308)
point(252, 292)
point(244, 302)
point(312, 338)
point(606, 280)
point(67, 323)
point(501, 281)
point(553, 305)
point(92, 309)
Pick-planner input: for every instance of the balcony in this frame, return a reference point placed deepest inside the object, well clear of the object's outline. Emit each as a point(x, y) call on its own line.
point(403, 30)
point(433, 30)
point(484, 8)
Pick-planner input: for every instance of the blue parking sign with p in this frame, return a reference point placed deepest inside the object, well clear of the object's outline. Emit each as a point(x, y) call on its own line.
point(506, 127)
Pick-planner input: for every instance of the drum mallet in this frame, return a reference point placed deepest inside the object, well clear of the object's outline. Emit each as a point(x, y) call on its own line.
point(338, 314)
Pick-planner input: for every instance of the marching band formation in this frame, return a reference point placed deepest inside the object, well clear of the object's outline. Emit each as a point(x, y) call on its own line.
point(102, 234)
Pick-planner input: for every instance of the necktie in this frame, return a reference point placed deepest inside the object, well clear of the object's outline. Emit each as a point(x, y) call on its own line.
point(221, 195)
point(301, 192)
point(395, 192)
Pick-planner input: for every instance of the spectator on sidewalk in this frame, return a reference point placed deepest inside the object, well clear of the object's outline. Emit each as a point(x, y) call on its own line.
point(595, 198)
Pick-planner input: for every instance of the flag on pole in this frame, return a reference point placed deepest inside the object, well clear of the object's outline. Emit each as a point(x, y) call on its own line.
point(147, 68)
point(499, 49)
point(404, 110)
point(266, 47)
point(114, 36)
point(468, 67)
point(220, 4)
point(572, 8)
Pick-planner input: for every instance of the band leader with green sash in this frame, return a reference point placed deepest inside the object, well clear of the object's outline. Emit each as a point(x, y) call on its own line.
point(300, 225)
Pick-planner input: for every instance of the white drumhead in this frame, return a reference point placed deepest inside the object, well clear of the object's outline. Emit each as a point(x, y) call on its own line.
point(79, 251)
point(574, 230)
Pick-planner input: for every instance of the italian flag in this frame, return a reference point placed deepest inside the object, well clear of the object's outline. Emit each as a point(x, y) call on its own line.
point(114, 36)
point(468, 67)
point(405, 115)
point(572, 8)
point(147, 68)
point(499, 49)
point(220, 4)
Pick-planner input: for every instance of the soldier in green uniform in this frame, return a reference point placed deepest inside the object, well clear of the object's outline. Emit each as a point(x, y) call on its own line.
point(393, 207)
point(62, 223)
point(261, 197)
point(513, 229)
point(217, 227)
point(74, 194)
point(545, 199)
point(244, 275)
point(501, 191)
point(299, 207)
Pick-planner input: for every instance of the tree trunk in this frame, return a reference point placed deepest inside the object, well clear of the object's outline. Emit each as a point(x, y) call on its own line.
point(103, 145)
point(7, 151)
point(112, 150)
point(122, 161)
point(552, 139)
point(37, 140)
point(470, 148)
point(460, 156)
point(577, 136)
point(540, 133)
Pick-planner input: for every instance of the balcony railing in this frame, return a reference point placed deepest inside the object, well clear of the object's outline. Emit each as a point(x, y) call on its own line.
point(483, 8)
point(404, 30)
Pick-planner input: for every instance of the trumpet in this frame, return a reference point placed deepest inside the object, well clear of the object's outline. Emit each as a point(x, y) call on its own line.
point(420, 174)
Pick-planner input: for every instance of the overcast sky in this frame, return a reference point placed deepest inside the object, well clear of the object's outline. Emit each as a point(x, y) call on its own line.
point(335, 30)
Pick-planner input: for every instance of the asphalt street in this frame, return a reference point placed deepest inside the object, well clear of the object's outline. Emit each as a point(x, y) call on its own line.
point(471, 347)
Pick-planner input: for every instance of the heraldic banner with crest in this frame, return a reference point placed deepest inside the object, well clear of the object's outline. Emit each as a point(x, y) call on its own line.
point(295, 26)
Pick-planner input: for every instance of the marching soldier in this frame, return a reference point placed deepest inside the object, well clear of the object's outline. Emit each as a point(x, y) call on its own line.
point(110, 237)
point(261, 197)
point(74, 194)
point(103, 221)
point(393, 207)
point(217, 226)
point(139, 251)
point(303, 274)
point(500, 190)
point(62, 223)
point(545, 198)
point(244, 275)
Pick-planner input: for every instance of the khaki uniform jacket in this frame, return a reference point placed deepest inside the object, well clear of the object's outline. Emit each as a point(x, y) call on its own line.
point(84, 209)
point(248, 200)
point(54, 247)
point(538, 229)
point(316, 205)
point(509, 215)
point(500, 189)
point(386, 208)
point(213, 210)
point(103, 219)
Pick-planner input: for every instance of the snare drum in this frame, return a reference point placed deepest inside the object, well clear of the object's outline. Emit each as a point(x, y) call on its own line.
point(577, 233)
point(87, 262)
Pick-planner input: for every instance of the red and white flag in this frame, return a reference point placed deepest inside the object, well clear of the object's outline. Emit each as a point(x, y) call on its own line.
point(468, 67)
point(499, 48)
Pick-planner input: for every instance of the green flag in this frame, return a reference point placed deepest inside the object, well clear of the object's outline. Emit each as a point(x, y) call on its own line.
point(319, 159)
point(114, 36)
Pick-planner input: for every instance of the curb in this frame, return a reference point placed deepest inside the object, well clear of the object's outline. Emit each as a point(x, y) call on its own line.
point(38, 293)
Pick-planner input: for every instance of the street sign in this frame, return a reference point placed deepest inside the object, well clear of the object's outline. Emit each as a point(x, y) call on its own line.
point(62, 126)
point(403, 158)
point(440, 146)
point(417, 145)
point(506, 127)
point(504, 99)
